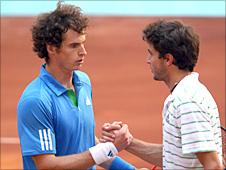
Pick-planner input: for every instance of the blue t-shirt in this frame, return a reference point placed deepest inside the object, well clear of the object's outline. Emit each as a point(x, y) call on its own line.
point(49, 123)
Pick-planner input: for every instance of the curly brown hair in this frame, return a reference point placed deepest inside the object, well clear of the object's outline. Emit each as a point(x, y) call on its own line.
point(175, 38)
point(50, 27)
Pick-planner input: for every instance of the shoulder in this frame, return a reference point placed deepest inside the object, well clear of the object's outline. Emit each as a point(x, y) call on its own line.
point(33, 86)
point(32, 109)
point(29, 106)
point(35, 95)
point(36, 88)
point(193, 95)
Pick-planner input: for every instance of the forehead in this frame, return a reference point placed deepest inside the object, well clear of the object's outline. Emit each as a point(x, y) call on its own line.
point(73, 36)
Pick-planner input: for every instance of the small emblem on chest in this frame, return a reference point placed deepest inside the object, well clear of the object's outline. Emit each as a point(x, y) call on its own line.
point(88, 102)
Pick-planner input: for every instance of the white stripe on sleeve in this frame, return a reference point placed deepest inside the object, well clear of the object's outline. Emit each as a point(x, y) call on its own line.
point(46, 139)
point(41, 139)
point(50, 140)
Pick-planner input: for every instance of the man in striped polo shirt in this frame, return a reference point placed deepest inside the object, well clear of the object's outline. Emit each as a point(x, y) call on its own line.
point(191, 124)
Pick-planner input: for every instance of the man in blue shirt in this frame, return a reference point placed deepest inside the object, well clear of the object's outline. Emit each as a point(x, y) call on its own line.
point(55, 114)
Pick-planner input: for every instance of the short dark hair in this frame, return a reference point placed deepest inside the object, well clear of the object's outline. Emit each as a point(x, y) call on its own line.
point(50, 27)
point(174, 38)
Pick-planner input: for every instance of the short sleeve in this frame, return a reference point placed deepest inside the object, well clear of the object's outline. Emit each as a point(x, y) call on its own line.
point(196, 131)
point(35, 127)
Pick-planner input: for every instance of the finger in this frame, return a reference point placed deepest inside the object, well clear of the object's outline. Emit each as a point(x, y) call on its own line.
point(117, 123)
point(122, 132)
point(102, 140)
point(106, 124)
point(108, 134)
point(108, 139)
point(111, 128)
point(124, 128)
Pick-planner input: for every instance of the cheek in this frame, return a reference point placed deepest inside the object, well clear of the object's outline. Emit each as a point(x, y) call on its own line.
point(156, 67)
point(70, 51)
point(154, 64)
point(72, 54)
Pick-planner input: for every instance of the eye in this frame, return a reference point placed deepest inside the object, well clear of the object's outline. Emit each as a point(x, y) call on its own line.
point(75, 45)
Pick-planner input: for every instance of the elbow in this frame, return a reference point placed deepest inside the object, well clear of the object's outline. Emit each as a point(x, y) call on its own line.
point(215, 166)
point(219, 166)
point(45, 162)
point(46, 166)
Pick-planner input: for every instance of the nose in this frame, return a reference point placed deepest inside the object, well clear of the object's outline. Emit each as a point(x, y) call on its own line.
point(82, 50)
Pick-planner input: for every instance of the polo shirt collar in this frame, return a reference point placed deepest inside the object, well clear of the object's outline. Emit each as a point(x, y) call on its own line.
point(187, 82)
point(76, 80)
point(53, 84)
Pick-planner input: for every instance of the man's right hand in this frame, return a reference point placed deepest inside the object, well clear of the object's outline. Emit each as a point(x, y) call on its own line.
point(107, 131)
point(118, 133)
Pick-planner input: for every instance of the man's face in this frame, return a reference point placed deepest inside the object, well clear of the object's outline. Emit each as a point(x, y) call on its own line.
point(70, 56)
point(157, 66)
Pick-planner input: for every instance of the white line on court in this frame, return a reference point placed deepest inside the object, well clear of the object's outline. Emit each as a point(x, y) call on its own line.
point(10, 140)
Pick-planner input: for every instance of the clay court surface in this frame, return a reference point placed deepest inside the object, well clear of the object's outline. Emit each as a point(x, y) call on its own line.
point(123, 88)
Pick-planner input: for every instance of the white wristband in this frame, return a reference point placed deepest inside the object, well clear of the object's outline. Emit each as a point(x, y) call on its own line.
point(103, 152)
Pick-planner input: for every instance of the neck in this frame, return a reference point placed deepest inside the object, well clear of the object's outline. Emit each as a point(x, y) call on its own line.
point(174, 79)
point(63, 76)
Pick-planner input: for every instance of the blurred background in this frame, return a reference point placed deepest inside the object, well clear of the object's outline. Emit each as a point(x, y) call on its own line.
point(123, 87)
point(119, 8)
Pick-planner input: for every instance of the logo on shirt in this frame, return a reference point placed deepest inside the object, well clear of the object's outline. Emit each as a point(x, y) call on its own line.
point(110, 154)
point(45, 139)
point(88, 102)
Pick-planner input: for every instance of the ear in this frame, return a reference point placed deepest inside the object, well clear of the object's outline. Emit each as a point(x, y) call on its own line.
point(51, 49)
point(169, 59)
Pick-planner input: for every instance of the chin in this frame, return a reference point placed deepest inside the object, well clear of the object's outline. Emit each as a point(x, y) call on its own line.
point(156, 78)
point(77, 67)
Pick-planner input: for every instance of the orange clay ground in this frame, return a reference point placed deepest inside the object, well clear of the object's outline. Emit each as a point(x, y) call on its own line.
point(123, 87)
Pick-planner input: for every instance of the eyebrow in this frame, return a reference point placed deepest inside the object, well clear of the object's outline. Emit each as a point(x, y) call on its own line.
point(77, 43)
point(149, 51)
point(80, 42)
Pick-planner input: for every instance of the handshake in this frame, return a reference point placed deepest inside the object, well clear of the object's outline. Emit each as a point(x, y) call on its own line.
point(117, 133)
point(114, 138)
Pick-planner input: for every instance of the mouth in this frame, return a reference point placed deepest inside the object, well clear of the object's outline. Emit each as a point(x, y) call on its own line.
point(81, 61)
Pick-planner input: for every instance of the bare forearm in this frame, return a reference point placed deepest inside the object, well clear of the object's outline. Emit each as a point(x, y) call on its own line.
point(149, 152)
point(209, 160)
point(76, 161)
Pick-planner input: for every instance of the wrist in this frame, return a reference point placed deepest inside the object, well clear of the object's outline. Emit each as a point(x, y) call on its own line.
point(131, 143)
point(103, 152)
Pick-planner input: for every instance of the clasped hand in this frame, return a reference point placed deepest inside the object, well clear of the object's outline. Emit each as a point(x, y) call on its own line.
point(117, 133)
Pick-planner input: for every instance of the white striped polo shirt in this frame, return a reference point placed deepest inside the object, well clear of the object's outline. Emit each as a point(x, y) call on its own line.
point(190, 124)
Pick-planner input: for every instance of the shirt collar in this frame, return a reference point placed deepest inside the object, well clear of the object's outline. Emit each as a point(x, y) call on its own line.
point(189, 79)
point(188, 82)
point(76, 80)
point(55, 85)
